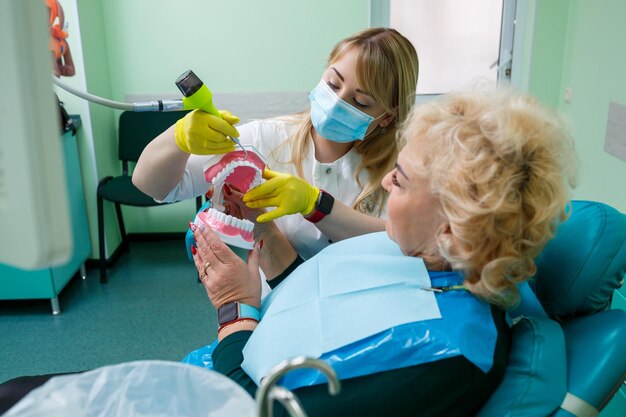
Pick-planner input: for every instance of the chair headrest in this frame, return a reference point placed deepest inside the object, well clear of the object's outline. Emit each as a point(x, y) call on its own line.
point(584, 263)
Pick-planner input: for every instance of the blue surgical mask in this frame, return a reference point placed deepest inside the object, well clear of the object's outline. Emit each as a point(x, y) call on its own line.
point(335, 119)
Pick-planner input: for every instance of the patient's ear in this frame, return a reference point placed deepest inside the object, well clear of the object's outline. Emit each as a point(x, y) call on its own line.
point(447, 237)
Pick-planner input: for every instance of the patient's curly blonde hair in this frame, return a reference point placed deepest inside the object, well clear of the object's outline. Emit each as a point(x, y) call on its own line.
point(501, 166)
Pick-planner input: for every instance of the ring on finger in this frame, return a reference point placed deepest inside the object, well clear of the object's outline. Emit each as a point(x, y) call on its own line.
point(206, 266)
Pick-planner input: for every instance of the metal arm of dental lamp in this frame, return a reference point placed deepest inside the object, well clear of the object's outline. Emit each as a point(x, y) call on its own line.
point(268, 391)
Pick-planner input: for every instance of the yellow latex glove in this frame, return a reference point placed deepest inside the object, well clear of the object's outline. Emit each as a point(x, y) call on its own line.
point(288, 193)
point(202, 133)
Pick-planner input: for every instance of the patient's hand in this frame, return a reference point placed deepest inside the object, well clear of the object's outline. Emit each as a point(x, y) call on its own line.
point(278, 253)
point(225, 275)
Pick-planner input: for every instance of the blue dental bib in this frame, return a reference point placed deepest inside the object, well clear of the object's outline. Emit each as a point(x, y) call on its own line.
point(466, 328)
point(360, 306)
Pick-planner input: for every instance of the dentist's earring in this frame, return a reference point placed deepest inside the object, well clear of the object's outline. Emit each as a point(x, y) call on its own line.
point(383, 129)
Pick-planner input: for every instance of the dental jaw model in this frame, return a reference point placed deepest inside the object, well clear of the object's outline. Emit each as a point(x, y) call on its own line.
point(244, 170)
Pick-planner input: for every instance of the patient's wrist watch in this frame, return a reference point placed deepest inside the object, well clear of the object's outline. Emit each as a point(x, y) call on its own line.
point(323, 207)
point(236, 311)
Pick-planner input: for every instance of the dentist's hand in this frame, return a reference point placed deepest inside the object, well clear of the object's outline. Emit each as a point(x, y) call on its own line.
point(288, 193)
point(202, 133)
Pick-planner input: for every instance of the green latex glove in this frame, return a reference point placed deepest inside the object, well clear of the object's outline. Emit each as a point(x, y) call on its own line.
point(202, 133)
point(288, 193)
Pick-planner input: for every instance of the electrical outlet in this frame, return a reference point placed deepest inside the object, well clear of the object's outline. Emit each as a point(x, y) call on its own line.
point(569, 93)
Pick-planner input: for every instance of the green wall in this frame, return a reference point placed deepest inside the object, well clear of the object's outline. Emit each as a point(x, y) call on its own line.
point(235, 45)
point(142, 46)
point(587, 56)
point(95, 59)
point(551, 18)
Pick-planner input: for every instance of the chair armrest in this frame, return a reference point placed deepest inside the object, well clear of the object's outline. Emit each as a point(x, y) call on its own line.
point(535, 378)
point(595, 355)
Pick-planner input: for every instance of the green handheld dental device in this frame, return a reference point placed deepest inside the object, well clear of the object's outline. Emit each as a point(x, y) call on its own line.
point(196, 95)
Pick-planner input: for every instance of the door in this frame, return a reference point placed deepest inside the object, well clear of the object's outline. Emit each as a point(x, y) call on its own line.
point(461, 46)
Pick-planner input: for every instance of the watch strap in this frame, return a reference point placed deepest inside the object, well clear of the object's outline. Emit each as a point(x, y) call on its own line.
point(323, 207)
point(247, 311)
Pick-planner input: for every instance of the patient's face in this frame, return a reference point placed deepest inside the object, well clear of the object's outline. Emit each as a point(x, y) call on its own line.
point(414, 215)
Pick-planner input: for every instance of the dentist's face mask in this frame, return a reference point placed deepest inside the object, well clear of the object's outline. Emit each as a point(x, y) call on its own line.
point(335, 119)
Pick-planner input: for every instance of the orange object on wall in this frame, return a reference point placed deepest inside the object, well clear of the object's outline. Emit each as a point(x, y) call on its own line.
point(63, 63)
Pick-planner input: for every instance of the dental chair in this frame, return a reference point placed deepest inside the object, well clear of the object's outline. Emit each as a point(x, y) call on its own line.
point(568, 351)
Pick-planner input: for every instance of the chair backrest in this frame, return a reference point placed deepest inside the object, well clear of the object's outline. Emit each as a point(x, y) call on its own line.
point(574, 359)
point(137, 129)
point(580, 268)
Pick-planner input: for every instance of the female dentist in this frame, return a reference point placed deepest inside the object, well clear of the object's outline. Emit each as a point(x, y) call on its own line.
point(344, 145)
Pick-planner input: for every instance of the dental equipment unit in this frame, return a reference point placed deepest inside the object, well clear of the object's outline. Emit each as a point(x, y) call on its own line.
point(196, 95)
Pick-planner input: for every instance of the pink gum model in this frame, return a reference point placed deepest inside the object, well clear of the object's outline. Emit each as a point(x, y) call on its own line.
point(231, 230)
point(244, 170)
point(243, 173)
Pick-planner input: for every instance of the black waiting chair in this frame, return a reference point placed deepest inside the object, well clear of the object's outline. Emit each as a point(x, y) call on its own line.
point(136, 130)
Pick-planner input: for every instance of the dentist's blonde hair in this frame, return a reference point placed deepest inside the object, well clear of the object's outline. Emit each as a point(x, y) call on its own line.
point(501, 166)
point(387, 68)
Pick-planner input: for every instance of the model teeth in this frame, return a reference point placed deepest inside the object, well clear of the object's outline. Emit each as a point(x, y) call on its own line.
point(243, 224)
point(257, 180)
point(230, 168)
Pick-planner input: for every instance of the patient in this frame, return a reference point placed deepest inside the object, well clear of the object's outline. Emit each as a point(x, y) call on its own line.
point(481, 183)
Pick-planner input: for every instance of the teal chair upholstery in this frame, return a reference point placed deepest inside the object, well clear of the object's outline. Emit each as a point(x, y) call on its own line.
point(136, 130)
point(568, 355)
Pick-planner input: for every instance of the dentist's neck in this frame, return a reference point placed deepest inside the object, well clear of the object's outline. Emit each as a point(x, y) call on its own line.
point(327, 150)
